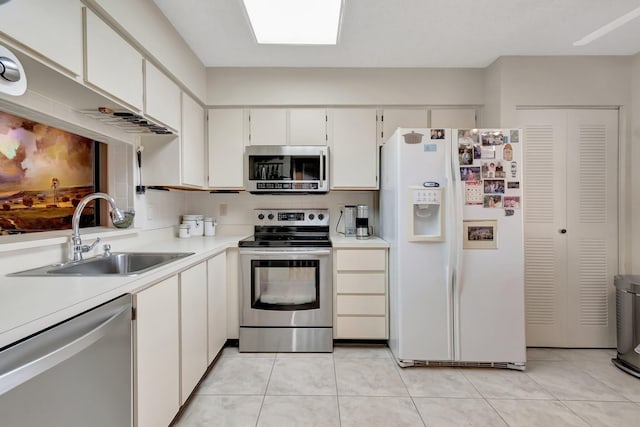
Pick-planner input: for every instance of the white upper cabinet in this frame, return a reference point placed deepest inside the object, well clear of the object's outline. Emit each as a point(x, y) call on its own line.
point(192, 142)
point(112, 64)
point(281, 126)
point(53, 29)
point(268, 126)
point(226, 148)
point(460, 118)
point(394, 118)
point(162, 97)
point(353, 148)
point(308, 126)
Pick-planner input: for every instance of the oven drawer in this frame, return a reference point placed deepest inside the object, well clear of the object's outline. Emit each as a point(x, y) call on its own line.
point(361, 283)
point(361, 304)
point(361, 327)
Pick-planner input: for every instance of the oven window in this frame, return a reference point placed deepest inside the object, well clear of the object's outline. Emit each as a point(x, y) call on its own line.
point(285, 284)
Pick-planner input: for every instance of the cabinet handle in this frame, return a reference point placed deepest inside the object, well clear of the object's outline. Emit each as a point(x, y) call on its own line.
point(563, 231)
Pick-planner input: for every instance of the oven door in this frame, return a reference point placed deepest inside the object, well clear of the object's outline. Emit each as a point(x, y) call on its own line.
point(285, 287)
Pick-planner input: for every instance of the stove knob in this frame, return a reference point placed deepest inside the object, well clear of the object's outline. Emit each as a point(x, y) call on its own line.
point(260, 217)
point(320, 217)
point(311, 216)
point(270, 216)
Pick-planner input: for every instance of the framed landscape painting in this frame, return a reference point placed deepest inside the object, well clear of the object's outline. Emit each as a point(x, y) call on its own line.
point(44, 173)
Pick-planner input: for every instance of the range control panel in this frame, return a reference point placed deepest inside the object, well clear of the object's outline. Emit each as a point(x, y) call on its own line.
point(284, 217)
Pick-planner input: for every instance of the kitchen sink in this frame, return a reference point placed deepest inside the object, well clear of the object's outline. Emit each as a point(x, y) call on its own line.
point(116, 264)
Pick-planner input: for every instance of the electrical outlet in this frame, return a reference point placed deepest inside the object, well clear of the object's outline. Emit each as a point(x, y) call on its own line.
point(223, 210)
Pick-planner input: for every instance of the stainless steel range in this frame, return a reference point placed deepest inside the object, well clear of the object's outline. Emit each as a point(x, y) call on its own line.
point(286, 296)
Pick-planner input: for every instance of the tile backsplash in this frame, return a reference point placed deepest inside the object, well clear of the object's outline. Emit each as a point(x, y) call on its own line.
point(234, 212)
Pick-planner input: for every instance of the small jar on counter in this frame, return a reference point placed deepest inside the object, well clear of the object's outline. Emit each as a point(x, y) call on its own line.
point(209, 226)
point(196, 223)
point(184, 231)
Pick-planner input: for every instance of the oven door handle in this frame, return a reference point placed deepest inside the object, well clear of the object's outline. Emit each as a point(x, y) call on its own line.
point(289, 252)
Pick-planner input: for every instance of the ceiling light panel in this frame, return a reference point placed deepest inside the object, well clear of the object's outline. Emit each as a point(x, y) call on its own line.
point(310, 22)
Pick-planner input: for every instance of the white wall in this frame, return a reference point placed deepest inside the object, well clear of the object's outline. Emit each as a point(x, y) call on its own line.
point(561, 81)
point(633, 159)
point(239, 207)
point(344, 86)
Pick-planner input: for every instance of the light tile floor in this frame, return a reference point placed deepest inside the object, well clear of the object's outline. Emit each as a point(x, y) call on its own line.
point(360, 385)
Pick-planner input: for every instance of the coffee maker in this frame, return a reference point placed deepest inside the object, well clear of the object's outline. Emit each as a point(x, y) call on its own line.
point(362, 222)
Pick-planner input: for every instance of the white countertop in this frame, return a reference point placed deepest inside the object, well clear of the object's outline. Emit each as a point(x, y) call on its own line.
point(30, 304)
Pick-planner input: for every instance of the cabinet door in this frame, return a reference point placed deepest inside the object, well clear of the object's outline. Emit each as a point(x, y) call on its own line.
point(193, 327)
point(461, 118)
point(157, 354)
point(233, 297)
point(226, 148)
point(51, 28)
point(403, 118)
point(192, 138)
point(268, 126)
point(162, 97)
point(353, 148)
point(217, 304)
point(308, 126)
point(112, 64)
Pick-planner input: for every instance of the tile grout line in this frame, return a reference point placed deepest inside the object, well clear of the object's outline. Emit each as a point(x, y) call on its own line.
point(335, 376)
point(264, 395)
point(483, 397)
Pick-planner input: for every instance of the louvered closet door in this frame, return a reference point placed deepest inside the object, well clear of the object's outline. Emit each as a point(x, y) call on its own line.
point(592, 210)
point(570, 184)
point(545, 213)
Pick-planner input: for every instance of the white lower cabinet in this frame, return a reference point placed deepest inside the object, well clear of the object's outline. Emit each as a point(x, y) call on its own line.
point(180, 326)
point(193, 328)
point(217, 304)
point(157, 354)
point(361, 304)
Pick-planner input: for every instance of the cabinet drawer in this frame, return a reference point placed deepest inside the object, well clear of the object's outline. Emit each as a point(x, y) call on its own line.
point(361, 327)
point(363, 305)
point(360, 283)
point(360, 259)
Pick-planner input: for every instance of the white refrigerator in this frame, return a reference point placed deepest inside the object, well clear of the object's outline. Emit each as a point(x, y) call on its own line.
point(451, 209)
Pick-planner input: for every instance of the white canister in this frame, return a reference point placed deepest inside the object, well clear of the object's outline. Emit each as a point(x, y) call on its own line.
point(184, 231)
point(209, 226)
point(196, 223)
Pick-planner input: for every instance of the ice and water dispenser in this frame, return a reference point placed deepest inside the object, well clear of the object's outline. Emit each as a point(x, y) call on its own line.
point(427, 214)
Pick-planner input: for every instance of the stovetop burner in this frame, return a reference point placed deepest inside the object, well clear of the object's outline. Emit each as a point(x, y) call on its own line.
point(289, 228)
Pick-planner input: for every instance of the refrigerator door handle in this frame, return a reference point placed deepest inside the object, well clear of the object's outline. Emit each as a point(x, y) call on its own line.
point(456, 244)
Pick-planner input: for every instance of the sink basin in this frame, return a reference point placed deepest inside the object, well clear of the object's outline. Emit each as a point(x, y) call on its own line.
point(117, 264)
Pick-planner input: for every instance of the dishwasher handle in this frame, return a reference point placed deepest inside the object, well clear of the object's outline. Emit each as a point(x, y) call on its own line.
point(28, 370)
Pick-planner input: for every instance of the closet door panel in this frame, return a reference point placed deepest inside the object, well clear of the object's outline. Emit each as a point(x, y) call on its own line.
point(592, 209)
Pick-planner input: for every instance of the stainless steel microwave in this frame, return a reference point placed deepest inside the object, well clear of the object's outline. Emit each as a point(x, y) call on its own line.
point(286, 169)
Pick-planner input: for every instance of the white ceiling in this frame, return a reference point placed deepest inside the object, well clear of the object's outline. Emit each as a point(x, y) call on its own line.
point(412, 33)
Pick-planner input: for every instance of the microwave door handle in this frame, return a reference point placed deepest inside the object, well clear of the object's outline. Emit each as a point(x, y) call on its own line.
point(321, 166)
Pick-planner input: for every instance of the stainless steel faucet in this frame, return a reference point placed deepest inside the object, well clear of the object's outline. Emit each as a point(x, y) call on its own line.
point(77, 248)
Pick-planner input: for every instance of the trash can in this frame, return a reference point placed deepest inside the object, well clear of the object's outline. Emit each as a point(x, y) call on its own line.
point(628, 323)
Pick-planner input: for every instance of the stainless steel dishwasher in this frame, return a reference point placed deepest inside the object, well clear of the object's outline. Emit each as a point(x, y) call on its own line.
point(75, 374)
